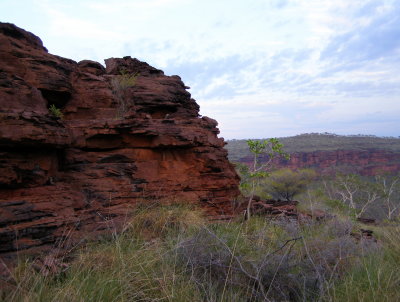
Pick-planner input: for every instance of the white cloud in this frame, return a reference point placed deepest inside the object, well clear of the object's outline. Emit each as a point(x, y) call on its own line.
point(262, 68)
point(67, 26)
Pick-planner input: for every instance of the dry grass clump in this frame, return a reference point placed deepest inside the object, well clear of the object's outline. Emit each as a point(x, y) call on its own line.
point(120, 85)
point(267, 261)
point(374, 276)
point(137, 265)
point(155, 220)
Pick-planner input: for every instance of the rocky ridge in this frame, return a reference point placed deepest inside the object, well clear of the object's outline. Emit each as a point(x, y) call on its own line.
point(64, 180)
point(364, 162)
point(328, 153)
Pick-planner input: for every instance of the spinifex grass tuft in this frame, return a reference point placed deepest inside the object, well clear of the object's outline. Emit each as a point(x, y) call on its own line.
point(374, 277)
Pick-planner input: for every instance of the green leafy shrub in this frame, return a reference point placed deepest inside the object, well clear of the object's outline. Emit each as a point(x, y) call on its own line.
point(286, 183)
point(55, 112)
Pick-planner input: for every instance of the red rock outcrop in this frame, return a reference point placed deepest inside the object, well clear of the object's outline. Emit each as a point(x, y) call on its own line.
point(364, 162)
point(62, 179)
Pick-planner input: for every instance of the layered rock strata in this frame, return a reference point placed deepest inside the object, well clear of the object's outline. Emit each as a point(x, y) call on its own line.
point(364, 162)
point(64, 179)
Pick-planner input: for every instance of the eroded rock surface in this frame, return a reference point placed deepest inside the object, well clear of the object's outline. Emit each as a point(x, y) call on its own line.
point(62, 179)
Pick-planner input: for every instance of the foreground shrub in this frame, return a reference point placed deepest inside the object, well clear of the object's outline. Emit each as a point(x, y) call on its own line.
point(374, 277)
point(286, 184)
point(268, 262)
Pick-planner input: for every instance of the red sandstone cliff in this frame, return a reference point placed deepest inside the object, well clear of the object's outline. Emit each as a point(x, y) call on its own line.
point(364, 162)
point(63, 179)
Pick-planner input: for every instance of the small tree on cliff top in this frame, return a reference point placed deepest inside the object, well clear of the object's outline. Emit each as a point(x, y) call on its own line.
point(258, 170)
point(120, 85)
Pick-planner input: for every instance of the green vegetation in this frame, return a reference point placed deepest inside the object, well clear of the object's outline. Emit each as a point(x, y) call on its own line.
point(120, 85)
point(374, 276)
point(285, 183)
point(353, 195)
point(171, 253)
point(55, 112)
point(377, 197)
point(269, 147)
point(320, 142)
point(348, 195)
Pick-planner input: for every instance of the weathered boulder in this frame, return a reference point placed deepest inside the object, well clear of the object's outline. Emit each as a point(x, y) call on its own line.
point(274, 208)
point(62, 180)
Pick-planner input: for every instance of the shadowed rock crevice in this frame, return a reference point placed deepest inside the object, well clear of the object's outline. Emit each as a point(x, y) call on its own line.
point(57, 98)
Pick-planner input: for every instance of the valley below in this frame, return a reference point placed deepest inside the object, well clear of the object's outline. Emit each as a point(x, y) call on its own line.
point(330, 153)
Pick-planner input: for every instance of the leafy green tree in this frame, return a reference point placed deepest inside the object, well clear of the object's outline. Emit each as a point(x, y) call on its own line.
point(286, 183)
point(259, 170)
point(245, 184)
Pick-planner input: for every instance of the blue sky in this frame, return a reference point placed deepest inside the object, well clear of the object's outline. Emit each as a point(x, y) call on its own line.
point(267, 68)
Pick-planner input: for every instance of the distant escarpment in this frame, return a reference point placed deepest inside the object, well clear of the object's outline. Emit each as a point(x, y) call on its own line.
point(366, 162)
point(77, 170)
point(329, 153)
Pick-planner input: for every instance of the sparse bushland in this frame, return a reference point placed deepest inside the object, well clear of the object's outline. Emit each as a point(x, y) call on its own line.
point(377, 197)
point(309, 142)
point(171, 253)
point(371, 273)
point(349, 195)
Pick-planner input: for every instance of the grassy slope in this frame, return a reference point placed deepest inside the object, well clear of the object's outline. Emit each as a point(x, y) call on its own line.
point(320, 142)
point(172, 254)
